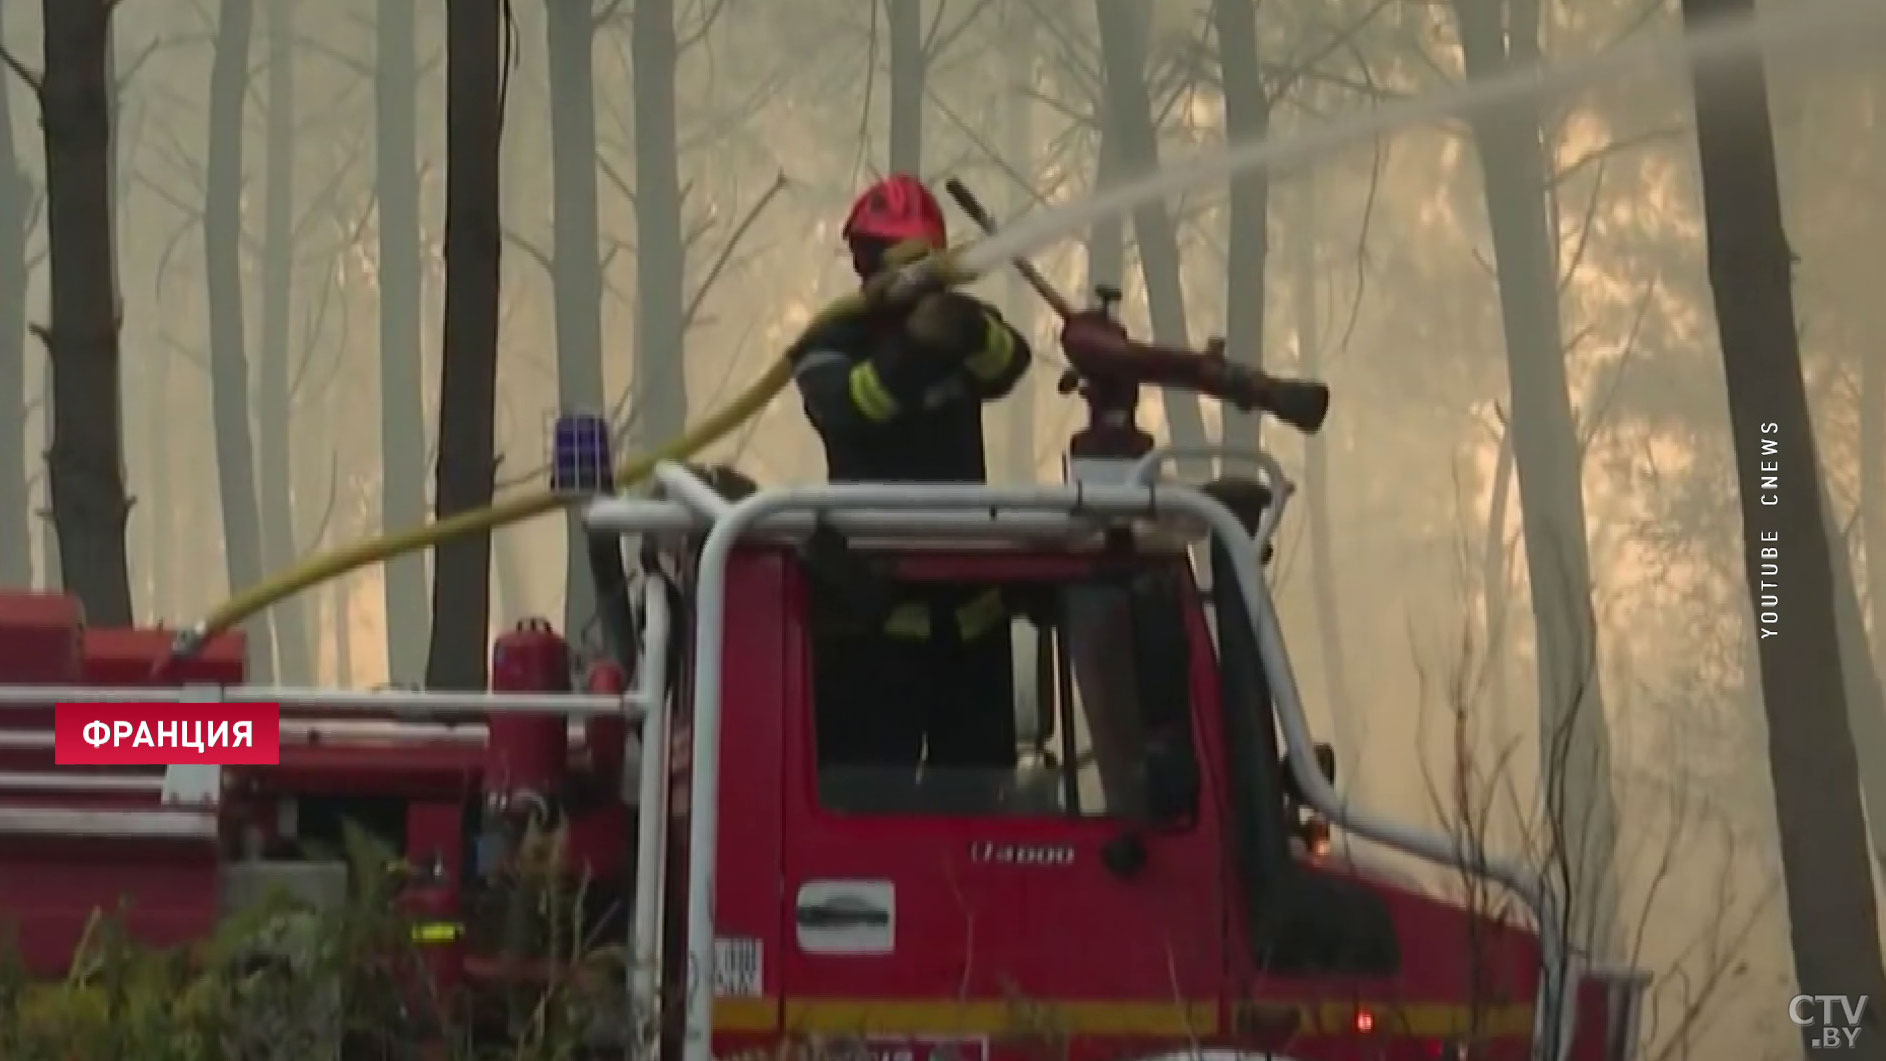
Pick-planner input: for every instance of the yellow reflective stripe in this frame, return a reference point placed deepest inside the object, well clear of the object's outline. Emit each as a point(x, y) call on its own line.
point(908, 620)
point(1178, 1019)
point(870, 396)
point(994, 357)
point(436, 932)
point(976, 617)
point(912, 618)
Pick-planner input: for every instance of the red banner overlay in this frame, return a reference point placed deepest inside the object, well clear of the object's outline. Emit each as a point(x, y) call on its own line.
point(166, 733)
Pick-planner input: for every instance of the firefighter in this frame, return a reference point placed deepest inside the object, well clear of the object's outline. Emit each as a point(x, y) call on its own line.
point(896, 395)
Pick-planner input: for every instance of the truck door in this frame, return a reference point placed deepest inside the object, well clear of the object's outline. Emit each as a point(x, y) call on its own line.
point(887, 920)
point(1122, 891)
point(1056, 906)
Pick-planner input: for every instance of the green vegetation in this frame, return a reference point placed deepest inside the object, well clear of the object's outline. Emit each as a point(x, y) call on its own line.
point(284, 981)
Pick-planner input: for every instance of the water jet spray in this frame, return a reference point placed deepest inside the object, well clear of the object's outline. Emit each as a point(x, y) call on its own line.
point(1802, 22)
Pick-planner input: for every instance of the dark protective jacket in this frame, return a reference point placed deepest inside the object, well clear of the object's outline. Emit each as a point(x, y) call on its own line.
point(890, 410)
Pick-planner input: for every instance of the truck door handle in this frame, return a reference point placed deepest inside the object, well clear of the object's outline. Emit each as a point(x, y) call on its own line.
point(840, 915)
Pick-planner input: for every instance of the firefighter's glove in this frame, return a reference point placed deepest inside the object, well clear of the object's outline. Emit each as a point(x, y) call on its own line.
point(879, 288)
point(948, 325)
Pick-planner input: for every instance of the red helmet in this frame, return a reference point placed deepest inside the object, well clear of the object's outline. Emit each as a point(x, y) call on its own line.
point(897, 208)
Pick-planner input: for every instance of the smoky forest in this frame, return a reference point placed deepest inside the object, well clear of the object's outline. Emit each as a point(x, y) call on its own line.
point(1588, 562)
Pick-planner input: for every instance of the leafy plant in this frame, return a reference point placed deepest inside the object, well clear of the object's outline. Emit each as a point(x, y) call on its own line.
point(287, 981)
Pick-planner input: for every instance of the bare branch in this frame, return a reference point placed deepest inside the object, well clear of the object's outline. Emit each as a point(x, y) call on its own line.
point(1598, 155)
point(615, 178)
point(171, 244)
point(1062, 107)
point(1584, 232)
point(709, 15)
point(609, 13)
point(1077, 54)
point(609, 255)
point(1378, 164)
point(862, 139)
point(183, 350)
point(726, 249)
point(981, 143)
point(137, 63)
point(929, 32)
point(935, 45)
point(313, 322)
point(1601, 408)
point(324, 202)
point(33, 81)
point(327, 507)
point(530, 249)
point(188, 209)
point(1283, 79)
point(333, 54)
point(733, 119)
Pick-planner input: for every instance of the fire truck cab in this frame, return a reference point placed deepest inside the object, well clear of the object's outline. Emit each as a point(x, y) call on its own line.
point(1141, 878)
point(1152, 875)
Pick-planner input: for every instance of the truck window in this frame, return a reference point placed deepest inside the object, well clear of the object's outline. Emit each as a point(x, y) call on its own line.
point(1028, 698)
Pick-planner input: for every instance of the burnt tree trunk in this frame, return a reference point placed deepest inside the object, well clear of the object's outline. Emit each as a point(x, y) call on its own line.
point(1575, 757)
point(402, 408)
point(1833, 923)
point(468, 383)
point(16, 194)
point(661, 386)
point(1131, 135)
point(1247, 239)
point(85, 471)
point(909, 69)
point(229, 364)
point(577, 280)
point(293, 643)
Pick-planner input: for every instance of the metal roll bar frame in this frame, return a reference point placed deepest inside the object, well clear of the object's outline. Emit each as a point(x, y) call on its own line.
point(1073, 505)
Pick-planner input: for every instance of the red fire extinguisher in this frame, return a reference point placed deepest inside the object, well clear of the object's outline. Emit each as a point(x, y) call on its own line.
point(527, 754)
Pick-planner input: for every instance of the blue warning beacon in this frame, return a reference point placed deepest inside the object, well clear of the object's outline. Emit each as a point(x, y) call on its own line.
point(580, 456)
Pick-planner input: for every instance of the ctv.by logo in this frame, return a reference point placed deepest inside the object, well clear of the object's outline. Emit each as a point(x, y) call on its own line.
point(1836, 1019)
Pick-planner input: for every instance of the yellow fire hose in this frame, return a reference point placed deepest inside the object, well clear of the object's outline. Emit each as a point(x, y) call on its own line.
point(908, 281)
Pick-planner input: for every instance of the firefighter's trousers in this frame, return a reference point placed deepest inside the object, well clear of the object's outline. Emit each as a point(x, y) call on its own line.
point(891, 701)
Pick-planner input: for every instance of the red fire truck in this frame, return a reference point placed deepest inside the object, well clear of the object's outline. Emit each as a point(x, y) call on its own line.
point(1153, 879)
